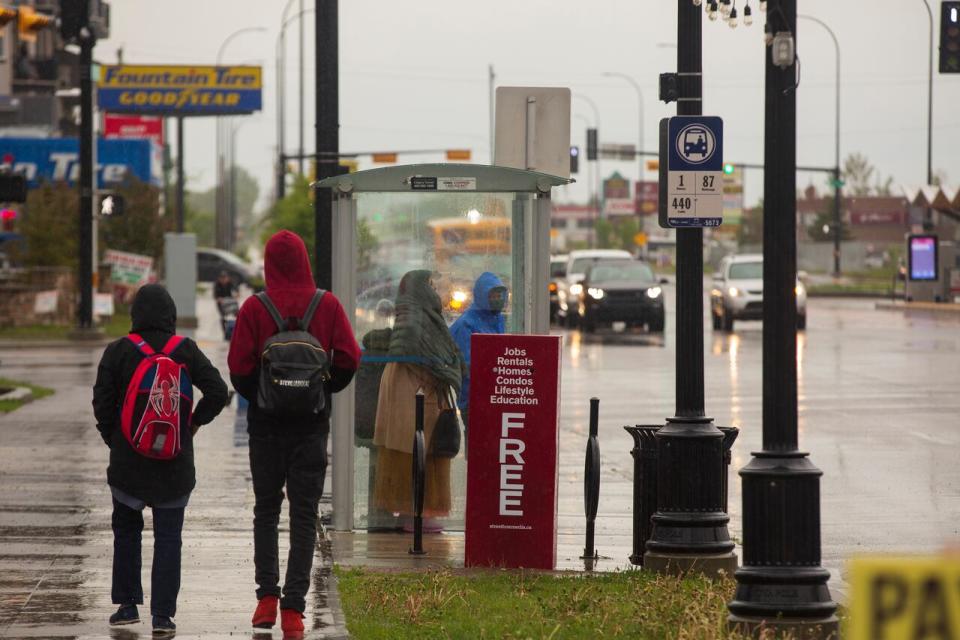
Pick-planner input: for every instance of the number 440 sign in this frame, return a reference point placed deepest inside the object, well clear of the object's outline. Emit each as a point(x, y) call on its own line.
point(691, 180)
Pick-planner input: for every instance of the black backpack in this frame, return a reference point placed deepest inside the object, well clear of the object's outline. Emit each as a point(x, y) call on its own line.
point(294, 367)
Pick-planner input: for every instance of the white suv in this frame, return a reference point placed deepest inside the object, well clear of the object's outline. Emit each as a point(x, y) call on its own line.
point(569, 288)
point(737, 293)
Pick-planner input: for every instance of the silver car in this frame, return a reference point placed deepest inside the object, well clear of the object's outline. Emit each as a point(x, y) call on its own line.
point(737, 293)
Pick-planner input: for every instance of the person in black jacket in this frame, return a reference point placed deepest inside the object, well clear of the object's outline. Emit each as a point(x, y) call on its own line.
point(137, 481)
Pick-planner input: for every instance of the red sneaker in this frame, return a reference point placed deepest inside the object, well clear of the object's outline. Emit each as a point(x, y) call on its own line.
point(266, 614)
point(291, 621)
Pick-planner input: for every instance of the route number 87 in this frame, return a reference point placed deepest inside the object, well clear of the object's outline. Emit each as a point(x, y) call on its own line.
point(708, 182)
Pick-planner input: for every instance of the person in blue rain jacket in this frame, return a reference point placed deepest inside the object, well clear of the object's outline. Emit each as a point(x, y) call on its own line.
point(485, 315)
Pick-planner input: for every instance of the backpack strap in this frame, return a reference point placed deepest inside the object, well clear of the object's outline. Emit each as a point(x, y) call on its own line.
point(272, 310)
point(172, 344)
point(141, 344)
point(311, 309)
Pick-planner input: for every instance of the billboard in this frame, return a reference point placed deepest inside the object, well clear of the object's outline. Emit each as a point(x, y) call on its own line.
point(133, 127)
point(57, 159)
point(180, 90)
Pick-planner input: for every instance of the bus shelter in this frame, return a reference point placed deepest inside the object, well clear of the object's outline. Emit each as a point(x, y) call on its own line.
point(456, 221)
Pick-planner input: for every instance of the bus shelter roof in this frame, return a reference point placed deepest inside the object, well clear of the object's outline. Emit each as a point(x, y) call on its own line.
point(469, 177)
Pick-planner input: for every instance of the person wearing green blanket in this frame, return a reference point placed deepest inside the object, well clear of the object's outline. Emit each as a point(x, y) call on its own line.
point(427, 359)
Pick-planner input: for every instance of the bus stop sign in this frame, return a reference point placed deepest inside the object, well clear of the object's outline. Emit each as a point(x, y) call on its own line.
point(691, 180)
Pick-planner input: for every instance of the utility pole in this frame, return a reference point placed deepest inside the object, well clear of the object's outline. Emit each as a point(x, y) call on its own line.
point(88, 183)
point(327, 136)
point(300, 101)
point(493, 108)
point(690, 525)
point(181, 212)
point(781, 585)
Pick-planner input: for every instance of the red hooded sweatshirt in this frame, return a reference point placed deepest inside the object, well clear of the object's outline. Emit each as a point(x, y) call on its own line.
point(290, 286)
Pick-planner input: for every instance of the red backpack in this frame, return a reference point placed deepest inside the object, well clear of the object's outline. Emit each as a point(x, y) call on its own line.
point(159, 397)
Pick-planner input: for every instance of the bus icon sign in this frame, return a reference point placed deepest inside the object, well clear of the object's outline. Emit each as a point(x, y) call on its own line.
point(697, 142)
point(691, 179)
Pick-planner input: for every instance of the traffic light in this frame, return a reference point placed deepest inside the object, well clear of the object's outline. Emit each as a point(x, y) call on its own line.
point(592, 144)
point(29, 23)
point(13, 188)
point(7, 16)
point(112, 204)
point(7, 216)
point(728, 168)
point(950, 37)
point(574, 159)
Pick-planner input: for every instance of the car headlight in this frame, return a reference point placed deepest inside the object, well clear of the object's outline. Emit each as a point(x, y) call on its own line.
point(576, 289)
point(596, 294)
point(460, 296)
point(654, 292)
point(733, 291)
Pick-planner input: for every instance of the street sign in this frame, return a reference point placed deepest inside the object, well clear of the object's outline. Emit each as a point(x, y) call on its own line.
point(511, 518)
point(691, 182)
point(648, 195)
point(128, 269)
point(640, 239)
point(906, 597)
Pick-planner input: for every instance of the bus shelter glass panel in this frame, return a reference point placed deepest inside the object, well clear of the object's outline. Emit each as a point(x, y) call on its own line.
point(439, 245)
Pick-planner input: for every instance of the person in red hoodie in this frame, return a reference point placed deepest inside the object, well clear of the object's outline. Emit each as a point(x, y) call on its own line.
point(294, 453)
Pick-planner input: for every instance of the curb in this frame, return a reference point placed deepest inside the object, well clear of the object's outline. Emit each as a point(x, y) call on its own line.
point(935, 307)
point(55, 344)
point(329, 580)
point(18, 394)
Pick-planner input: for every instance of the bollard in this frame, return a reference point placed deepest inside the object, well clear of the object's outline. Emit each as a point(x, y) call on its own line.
point(591, 480)
point(644, 454)
point(729, 436)
point(419, 471)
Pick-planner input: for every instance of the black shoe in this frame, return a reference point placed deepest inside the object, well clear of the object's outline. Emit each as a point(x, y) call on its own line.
point(126, 614)
point(163, 626)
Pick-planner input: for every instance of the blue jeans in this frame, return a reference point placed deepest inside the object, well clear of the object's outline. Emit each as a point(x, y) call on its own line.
point(165, 577)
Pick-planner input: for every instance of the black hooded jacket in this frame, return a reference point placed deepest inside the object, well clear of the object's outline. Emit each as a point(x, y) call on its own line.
point(154, 481)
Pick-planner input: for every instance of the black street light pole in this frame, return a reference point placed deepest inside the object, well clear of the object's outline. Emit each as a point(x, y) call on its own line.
point(327, 136)
point(690, 525)
point(781, 584)
point(88, 163)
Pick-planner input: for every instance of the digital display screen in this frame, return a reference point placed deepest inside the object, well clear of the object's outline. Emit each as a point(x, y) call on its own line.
point(923, 257)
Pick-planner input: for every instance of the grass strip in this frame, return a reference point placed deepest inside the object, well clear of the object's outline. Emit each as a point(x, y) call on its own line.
point(6, 406)
point(116, 326)
point(518, 604)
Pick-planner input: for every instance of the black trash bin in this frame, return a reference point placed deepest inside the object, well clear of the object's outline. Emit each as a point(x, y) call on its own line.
point(645, 460)
point(644, 454)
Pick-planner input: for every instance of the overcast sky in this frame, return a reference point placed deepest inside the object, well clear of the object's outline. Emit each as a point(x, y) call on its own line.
point(414, 75)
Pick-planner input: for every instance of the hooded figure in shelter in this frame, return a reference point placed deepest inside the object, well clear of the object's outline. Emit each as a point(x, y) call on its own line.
point(485, 315)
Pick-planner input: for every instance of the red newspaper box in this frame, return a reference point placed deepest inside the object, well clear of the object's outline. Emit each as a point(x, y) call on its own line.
point(512, 444)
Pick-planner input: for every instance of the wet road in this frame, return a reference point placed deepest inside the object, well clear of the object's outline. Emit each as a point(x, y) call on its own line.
point(879, 407)
point(879, 404)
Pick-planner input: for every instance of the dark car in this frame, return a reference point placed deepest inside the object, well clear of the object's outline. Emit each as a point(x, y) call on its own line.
point(622, 291)
point(558, 271)
point(210, 262)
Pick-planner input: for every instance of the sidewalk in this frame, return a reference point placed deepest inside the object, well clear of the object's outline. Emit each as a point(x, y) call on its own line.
point(55, 536)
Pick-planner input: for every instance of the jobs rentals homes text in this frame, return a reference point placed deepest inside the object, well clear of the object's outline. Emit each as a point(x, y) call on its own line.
point(512, 447)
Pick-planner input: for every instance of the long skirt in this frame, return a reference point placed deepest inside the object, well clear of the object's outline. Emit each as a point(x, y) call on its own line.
point(393, 487)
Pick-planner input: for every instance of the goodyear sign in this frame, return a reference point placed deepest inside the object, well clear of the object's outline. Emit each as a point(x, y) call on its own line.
point(905, 598)
point(179, 90)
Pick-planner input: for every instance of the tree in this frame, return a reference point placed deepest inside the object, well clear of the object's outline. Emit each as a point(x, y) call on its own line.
point(617, 233)
point(751, 226)
point(50, 226)
point(293, 213)
point(822, 228)
point(862, 178)
point(201, 209)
